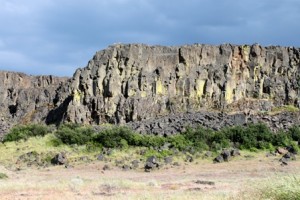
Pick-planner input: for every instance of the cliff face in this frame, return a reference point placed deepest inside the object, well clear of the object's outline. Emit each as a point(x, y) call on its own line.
point(126, 83)
point(25, 99)
point(132, 83)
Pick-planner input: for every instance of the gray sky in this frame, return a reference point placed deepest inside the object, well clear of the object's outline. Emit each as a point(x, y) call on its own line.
point(58, 36)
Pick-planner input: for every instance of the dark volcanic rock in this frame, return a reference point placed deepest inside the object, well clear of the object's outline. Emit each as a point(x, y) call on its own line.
point(60, 159)
point(225, 155)
point(219, 159)
point(26, 99)
point(134, 82)
point(151, 164)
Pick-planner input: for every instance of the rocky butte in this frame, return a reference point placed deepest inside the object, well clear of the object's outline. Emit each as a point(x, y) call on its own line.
point(160, 89)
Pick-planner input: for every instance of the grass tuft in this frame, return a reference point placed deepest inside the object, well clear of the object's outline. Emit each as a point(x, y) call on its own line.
point(3, 176)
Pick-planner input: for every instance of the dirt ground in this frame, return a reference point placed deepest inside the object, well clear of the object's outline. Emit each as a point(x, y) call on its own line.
point(197, 180)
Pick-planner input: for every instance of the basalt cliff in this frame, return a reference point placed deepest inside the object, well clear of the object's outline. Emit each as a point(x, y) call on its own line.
point(159, 89)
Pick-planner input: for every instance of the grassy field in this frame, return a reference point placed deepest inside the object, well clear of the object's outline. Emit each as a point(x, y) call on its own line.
point(249, 176)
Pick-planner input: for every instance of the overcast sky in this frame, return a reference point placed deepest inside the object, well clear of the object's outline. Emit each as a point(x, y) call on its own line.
point(58, 36)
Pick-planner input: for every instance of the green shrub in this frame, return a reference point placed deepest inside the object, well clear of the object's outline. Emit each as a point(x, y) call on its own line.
point(252, 136)
point(3, 176)
point(179, 142)
point(93, 147)
point(281, 138)
point(294, 133)
point(74, 134)
point(152, 141)
point(23, 132)
point(159, 154)
point(115, 137)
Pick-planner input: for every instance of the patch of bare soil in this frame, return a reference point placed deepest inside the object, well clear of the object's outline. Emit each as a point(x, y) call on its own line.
point(201, 180)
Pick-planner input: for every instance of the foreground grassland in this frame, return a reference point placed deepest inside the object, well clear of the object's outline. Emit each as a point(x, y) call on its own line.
point(252, 175)
point(257, 177)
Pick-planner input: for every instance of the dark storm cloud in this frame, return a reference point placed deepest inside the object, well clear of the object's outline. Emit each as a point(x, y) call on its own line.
point(56, 37)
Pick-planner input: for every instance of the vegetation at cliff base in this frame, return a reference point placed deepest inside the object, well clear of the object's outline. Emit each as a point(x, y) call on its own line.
point(251, 137)
point(23, 132)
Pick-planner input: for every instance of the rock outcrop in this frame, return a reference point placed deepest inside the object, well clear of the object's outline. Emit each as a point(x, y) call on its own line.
point(125, 83)
point(26, 99)
point(135, 83)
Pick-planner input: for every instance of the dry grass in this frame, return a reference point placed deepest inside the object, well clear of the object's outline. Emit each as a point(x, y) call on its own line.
point(238, 179)
point(251, 176)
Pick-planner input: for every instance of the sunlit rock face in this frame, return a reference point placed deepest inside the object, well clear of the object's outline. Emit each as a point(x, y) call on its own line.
point(134, 82)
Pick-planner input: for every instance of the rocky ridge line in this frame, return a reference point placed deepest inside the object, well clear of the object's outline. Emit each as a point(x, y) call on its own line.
point(136, 84)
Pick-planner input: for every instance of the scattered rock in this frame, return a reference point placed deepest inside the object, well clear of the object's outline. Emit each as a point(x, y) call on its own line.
point(135, 164)
point(119, 162)
point(106, 167)
point(219, 159)
point(60, 159)
point(226, 154)
point(235, 152)
point(205, 182)
point(67, 166)
point(107, 151)
point(291, 149)
point(289, 156)
point(281, 150)
point(269, 154)
point(101, 157)
point(30, 159)
point(168, 159)
point(189, 158)
point(208, 154)
point(126, 167)
point(84, 159)
point(151, 164)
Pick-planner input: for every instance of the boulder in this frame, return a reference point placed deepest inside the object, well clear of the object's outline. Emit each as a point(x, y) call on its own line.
point(135, 164)
point(289, 156)
point(126, 167)
point(101, 157)
point(59, 159)
point(151, 164)
point(291, 149)
point(208, 154)
point(235, 152)
point(281, 150)
point(219, 159)
point(168, 159)
point(106, 167)
point(226, 154)
point(189, 158)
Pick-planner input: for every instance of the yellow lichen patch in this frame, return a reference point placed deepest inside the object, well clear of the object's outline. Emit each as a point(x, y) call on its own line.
point(229, 93)
point(76, 95)
point(261, 87)
point(246, 52)
point(159, 88)
point(200, 87)
point(256, 73)
point(143, 94)
point(131, 93)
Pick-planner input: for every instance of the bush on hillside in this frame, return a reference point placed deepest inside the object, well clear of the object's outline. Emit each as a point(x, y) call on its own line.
point(294, 133)
point(26, 131)
point(74, 134)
